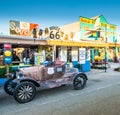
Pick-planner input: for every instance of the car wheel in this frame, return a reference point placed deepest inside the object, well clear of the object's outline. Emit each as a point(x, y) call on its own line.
point(79, 82)
point(9, 86)
point(24, 92)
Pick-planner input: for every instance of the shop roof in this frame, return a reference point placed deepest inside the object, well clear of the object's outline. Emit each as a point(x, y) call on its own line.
point(22, 40)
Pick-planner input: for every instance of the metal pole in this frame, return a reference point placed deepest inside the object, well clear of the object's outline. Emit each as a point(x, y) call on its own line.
point(105, 59)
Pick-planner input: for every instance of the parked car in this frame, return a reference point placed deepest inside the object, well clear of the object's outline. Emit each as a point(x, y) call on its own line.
point(22, 84)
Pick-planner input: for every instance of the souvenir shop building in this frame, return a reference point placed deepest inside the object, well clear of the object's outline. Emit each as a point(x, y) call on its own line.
point(76, 42)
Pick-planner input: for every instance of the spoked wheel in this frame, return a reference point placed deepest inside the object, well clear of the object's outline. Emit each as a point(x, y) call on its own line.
point(24, 92)
point(79, 82)
point(9, 86)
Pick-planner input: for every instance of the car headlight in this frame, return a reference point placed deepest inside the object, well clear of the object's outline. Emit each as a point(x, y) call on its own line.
point(19, 74)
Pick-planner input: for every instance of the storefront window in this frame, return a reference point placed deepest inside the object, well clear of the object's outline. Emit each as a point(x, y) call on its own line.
point(27, 56)
point(24, 55)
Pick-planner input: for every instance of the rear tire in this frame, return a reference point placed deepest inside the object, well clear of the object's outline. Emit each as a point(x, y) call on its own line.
point(24, 92)
point(79, 82)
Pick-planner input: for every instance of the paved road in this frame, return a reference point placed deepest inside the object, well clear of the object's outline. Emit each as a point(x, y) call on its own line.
point(100, 97)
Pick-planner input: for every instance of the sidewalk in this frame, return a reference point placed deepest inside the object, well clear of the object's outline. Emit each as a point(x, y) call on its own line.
point(110, 67)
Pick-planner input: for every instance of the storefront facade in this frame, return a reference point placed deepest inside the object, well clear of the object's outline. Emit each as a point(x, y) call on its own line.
point(97, 29)
point(74, 43)
point(97, 33)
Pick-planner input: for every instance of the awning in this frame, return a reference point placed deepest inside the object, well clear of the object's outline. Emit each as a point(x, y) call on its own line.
point(74, 43)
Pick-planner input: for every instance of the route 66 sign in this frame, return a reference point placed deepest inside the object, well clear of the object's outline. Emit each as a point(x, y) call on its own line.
point(54, 32)
point(50, 70)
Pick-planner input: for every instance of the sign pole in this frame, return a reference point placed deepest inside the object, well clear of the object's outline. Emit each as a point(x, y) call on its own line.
point(105, 59)
point(7, 70)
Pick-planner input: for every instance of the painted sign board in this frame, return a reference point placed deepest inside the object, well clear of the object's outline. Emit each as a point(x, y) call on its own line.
point(82, 53)
point(18, 28)
point(96, 29)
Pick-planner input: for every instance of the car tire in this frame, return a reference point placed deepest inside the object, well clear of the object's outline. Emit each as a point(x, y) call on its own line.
point(9, 86)
point(79, 82)
point(24, 92)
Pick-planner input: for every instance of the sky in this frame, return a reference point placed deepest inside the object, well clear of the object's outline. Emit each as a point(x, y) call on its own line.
point(48, 13)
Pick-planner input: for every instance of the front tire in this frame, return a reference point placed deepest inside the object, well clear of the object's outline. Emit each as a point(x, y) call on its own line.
point(79, 82)
point(24, 92)
point(9, 86)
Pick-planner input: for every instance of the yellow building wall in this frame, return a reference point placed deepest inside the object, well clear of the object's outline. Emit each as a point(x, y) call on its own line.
point(73, 27)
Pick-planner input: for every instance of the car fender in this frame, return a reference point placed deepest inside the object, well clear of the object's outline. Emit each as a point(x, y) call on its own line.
point(29, 80)
point(80, 73)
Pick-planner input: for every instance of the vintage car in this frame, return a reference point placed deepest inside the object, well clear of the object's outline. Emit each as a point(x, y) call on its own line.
point(23, 83)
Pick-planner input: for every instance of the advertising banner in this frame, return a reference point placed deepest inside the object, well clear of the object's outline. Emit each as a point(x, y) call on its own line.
point(36, 58)
point(63, 54)
point(23, 28)
point(14, 27)
point(82, 54)
point(33, 26)
point(74, 54)
point(42, 56)
point(90, 29)
point(97, 29)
